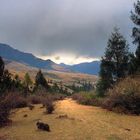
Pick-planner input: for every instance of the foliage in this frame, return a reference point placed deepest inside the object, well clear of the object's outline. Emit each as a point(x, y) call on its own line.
point(132, 65)
point(6, 82)
point(87, 98)
point(124, 97)
point(106, 79)
point(27, 80)
point(4, 111)
point(49, 106)
point(84, 86)
point(1, 68)
point(114, 65)
point(7, 103)
point(40, 80)
point(35, 99)
point(136, 33)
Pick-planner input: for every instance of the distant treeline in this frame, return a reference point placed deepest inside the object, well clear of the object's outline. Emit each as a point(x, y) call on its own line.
point(8, 82)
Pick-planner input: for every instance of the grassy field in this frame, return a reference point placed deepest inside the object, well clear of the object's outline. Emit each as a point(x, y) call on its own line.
point(81, 123)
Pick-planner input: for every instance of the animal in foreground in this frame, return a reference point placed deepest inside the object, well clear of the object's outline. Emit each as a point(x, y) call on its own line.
point(43, 126)
point(25, 116)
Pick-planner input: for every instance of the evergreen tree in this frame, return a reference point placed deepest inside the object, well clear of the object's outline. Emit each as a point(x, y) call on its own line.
point(132, 66)
point(135, 17)
point(1, 67)
point(17, 82)
point(27, 80)
point(106, 77)
point(6, 82)
point(55, 88)
point(114, 65)
point(40, 80)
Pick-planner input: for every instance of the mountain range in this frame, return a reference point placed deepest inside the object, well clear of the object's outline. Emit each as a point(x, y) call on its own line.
point(9, 53)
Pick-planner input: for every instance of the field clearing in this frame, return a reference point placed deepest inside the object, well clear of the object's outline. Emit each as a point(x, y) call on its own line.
point(82, 123)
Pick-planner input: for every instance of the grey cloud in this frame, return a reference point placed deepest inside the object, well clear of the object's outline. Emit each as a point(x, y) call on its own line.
point(45, 27)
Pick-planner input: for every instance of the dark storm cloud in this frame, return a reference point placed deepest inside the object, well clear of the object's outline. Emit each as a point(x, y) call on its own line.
point(47, 27)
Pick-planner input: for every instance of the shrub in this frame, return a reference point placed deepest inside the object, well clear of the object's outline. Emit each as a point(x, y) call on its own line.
point(16, 100)
point(124, 97)
point(7, 103)
point(48, 103)
point(50, 107)
point(56, 97)
point(20, 102)
point(36, 99)
point(87, 98)
point(5, 109)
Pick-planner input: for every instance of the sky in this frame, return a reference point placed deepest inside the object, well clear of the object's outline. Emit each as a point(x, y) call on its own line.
point(66, 31)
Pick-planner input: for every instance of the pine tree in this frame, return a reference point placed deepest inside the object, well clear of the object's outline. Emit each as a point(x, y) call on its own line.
point(106, 77)
point(114, 65)
point(1, 67)
point(117, 53)
point(17, 82)
point(132, 66)
point(135, 17)
point(40, 80)
point(27, 80)
point(7, 82)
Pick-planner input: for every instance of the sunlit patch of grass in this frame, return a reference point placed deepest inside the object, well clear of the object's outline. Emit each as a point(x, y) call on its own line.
point(82, 123)
point(114, 137)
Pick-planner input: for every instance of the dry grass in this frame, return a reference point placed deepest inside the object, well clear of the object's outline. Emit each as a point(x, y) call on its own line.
point(70, 77)
point(66, 77)
point(81, 123)
point(124, 97)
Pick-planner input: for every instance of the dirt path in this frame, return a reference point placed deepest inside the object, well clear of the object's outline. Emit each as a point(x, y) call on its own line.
point(72, 121)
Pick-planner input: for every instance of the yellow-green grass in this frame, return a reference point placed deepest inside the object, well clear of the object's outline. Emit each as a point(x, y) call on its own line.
point(82, 123)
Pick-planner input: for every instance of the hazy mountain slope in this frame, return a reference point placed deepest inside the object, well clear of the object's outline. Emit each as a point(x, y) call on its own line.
point(28, 59)
point(10, 53)
point(88, 68)
point(67, 77)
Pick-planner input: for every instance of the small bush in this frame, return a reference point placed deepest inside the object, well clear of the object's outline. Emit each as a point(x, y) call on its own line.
point(20, 103)
point(48, 103)
point(7, 103)
point(35, 99)
point(56, 97)
point(16, 100)
point(50, 107)
point(5, 109)
point(124, 97)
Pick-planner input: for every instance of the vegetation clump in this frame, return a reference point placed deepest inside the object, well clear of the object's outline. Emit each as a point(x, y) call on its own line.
point(50, 107)
point(87, 98)
point(4, 112)
point(114, 64)
point(124, 97)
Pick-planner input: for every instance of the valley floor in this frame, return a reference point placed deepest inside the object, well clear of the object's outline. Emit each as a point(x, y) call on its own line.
point(81, 123)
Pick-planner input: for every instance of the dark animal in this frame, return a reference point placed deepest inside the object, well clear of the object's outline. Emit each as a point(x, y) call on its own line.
point(25, 116)
point(128, 129)
point(43, 126)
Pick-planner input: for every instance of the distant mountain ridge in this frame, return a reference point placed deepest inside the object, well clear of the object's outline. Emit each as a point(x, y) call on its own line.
point(10, 53)
point(92, 68)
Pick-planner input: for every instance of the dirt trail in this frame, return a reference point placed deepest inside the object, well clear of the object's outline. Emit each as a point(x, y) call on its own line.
point(72, 121)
